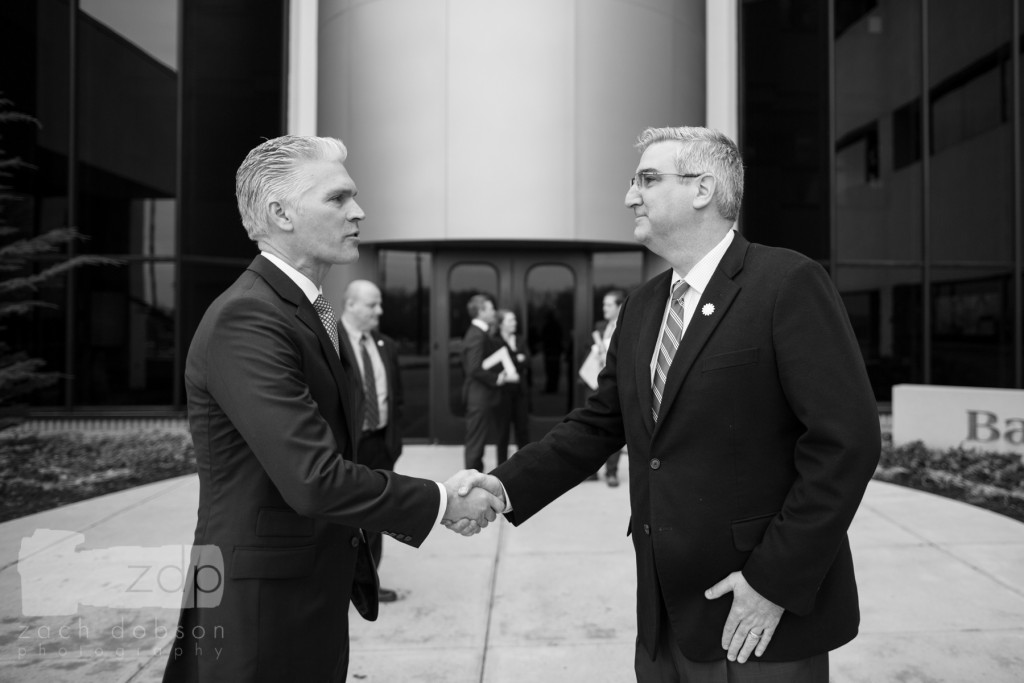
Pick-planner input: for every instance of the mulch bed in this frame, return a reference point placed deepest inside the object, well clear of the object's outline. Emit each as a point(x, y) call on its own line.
point(39, 471)
point(994, 481)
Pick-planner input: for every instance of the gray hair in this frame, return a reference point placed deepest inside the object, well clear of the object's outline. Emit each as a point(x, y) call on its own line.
point(270, 173)
point(709, 151)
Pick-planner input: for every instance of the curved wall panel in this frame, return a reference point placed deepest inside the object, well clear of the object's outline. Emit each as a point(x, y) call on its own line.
point(503, 119)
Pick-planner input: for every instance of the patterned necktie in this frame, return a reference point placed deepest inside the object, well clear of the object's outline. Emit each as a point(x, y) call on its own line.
point(669, 345)
point(326, 313)
point(371, 411)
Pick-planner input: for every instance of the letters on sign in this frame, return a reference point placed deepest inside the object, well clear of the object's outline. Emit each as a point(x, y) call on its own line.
point(984, 426)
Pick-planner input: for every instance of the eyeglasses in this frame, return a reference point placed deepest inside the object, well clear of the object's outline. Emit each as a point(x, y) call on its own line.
point(643, 179)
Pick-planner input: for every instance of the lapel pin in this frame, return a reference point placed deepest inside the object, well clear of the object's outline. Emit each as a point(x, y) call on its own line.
point(708, 309)
point(380, 343)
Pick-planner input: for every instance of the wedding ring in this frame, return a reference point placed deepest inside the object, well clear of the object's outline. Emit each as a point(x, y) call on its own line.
point(755, 636)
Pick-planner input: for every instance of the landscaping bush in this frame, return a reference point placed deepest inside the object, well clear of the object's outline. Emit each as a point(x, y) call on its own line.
point(39, 471)
point(994, 481)
point(43, 470)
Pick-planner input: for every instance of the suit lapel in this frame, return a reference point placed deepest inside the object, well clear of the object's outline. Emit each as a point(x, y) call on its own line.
point(650, 324)
point(304, 311)
point(711, 309)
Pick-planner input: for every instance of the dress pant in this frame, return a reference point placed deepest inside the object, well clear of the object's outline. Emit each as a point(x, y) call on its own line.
point(478, 425)
point(670, 665)
point(511, 413)
point(373, 453)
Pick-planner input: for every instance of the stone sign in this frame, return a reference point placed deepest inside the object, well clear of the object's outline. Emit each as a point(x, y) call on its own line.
point(947, 417)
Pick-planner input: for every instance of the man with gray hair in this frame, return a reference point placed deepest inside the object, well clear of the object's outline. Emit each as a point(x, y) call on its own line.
point(737, 383)
point(272, 408)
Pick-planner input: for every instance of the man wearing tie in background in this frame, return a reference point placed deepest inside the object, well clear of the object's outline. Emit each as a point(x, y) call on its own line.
point(376, 356)
point(480, 388)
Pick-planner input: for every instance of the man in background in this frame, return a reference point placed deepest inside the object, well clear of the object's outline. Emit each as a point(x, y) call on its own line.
point(480, 388)
point(376, 356)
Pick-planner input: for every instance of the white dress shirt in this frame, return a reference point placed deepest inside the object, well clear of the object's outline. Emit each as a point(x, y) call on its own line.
point(380, 377)
point(698, 279)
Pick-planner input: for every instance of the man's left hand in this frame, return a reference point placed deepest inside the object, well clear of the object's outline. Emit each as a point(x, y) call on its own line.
point(752, 619)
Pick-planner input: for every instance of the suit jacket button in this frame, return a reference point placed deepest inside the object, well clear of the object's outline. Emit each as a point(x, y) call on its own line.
point(647, 529)
point(655, 463)
point(355, 541)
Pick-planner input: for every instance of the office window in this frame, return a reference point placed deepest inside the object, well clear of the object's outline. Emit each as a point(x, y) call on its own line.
point(906, 135)
point(405, 278)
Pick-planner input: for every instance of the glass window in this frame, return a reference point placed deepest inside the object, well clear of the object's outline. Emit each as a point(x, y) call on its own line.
point(124, 334)
point(35, 36)
point(969, 108)
point(878, 174)
point(42, 333)
point(233, 84)
point(464, 281)
point(886, 311)
point(906, 135)
point(405, 278)
point(972, 327)
point(972, 212)
point(849, 12)
point(34, 39)
point(785, 125)
point(127, 124)
point(200, 284)
point(550, 312)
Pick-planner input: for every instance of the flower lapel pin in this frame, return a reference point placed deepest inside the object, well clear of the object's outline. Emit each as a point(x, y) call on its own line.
point(707, 309)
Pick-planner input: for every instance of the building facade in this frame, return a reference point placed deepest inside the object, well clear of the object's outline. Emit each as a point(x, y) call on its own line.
point(491, 142)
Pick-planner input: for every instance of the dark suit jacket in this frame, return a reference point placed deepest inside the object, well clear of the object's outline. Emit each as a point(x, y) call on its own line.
point(480, 387)
point(389, 356)
point(272, 413)
point(767, 437)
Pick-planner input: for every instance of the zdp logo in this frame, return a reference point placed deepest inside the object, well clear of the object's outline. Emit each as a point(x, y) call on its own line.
point(64, 577)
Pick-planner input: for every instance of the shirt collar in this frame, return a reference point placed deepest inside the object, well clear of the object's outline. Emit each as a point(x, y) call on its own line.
point(701, 273)
point(305, 284)
point(354, 335)
point(481, 324)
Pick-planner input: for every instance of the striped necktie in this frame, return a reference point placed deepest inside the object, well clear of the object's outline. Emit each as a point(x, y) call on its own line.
point(371, 411)
point(330, 323)
point(668, 346)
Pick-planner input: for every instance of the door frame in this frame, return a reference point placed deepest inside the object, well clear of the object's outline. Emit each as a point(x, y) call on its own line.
point(512, 267)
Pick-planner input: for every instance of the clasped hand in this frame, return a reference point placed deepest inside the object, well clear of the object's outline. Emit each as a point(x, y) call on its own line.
point(474, 500)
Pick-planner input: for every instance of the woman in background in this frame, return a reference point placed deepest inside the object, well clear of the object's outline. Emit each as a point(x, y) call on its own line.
point(512, 410)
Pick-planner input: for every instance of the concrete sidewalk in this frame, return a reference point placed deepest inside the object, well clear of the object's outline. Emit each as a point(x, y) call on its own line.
point(942, 592)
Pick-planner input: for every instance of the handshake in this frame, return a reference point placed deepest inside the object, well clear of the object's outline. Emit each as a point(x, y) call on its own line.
point(475, 499)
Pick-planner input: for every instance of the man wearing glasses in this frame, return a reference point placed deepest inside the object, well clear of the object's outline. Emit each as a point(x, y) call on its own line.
point(737, 384)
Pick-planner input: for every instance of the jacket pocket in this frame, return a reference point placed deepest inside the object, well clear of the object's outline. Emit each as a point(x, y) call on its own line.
point(747, 533)
point(728, 360)
point(272, 563)
point(272, 522)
